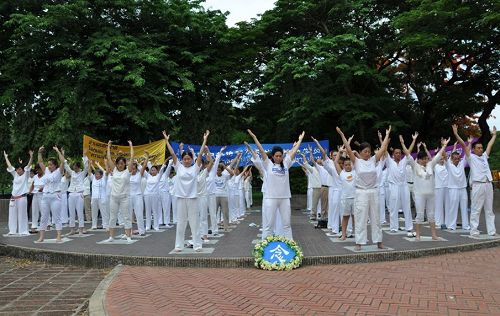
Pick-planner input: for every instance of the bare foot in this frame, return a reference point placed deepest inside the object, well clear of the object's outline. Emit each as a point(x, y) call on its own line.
point(417, 238)
point(178, 250)
point(39, 240)
point(381, 246)
point(58, 240)
point(343, 237)
point(435, 238)
point(357, 248)
point(72, 232)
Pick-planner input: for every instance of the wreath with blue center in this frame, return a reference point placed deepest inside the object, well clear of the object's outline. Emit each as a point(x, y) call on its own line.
point(277, 253)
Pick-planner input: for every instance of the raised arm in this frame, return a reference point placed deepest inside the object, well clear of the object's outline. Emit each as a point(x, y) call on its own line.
point(337, 158)
point(427, 151)
point(254, 154)
point(460, 140)
point(170, 149)
point(111, 164)
point(296, 147)
point(30, 162)
point(61, 158)
point(323, 152)
point(145, 162)
point(437, 157)
point(414, 139)
point(383, 148)
point(200, 154)
point(131, 161)
point(7, 161)
point(350, 153)
point(41, 164)
point(492, 141)
point(256, 141)
point(403, 146)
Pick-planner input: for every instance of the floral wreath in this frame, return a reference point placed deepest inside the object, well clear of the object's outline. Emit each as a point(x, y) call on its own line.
point(260, 262)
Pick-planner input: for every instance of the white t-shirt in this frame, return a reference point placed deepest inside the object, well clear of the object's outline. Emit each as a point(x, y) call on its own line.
point(440, 176)
point(186, 183)
point(38, 183)
point(52, 181)
point(366, 173)
point(456, 175)
point(396, 171)
point(202, 182)
point(121, 183)
point(479, 168)
point(64, 184)
point(313, 180)
point(99, 187)
point(347, 179)
point(20, 183)
point(221, 188)
point(136, 184)
point(278, 179)
point(423, 176)
point(163, 185)
point(323, 175)
point(211, 187)
point(153, 182)
point(334, 179)
point(77, 178)
point(86, 186)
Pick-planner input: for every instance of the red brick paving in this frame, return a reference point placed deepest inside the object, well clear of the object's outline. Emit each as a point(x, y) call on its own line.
point(456, 284)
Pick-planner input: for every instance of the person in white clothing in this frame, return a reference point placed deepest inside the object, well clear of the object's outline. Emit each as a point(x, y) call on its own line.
point(481, 182)
point(87, 198)
point(211, 193)
point(247, 187)
point(36, 205)
point(136, 200)
point(314, 185)
point(277, 199)
point(366, 199)
point(120, 192)
point(152, 194)
point(186, 190)
point(165, 196)
point(224, 173)
point(75, 190)
point(441, 192)
point(457, 191)
point(51, 200)
point(18, 212)
point(63, 188)
point(398, 188)
point(423, 177)
point(99, 197)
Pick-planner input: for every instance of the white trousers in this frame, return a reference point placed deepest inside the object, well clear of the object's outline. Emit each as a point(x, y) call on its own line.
point(18, 216)
point(234, 202)
point(456, 198)
point(441, 206)
point(270, 209)
point(75, 203)
point(97, 205)
point(248, 198)
point(482, 197)
point(399, 199)
point(424, 203)
point(187, 211)
point(212, 210)
point(64, 208)
point(174, 209)
point(166, 206)
point(36, 209)
point(119, 204)
point(152, 203)
point(51, 204)
point(381, 201)
point(334, 214)
point(242, 203)
point(309, 199)
point(366, 206)
point(136, 205)
point(203, 206)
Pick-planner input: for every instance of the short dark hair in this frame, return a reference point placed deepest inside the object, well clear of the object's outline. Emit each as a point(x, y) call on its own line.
point(120, 158)
point(184, 153)
point(421, 154)
point(475, 143)
point(364, 145)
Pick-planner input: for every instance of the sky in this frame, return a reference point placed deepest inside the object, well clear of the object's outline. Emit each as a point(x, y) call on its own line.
point(245, 10)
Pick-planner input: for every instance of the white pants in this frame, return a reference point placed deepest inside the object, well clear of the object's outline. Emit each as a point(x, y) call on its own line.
point(64, 208)
point(381, 201)
point(424, 203)
point(456, 198)
point(248, 198)
point(119, 204)
point(212, 210)
point(97, 205)
point(136, 205)
point(75, 203)
point(270, 208)
point(366, 206)
point(166, 206)
point(309, 199)
point(203, 206)
point(482, 197)
point(187, 211)
point(152, 202)
point(36, 209)
point(399, 199)
point(242, 203)
point(234, 202)
point(334, 206)
point(18, 216)
point(51, 204)
point(174, 209)
point(441, 206)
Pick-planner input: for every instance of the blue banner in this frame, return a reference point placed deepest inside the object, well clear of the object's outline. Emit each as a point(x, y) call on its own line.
point(232, 150)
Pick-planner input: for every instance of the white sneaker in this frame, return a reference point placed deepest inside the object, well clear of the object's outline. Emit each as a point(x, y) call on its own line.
point(129, 240)
point(168, 226)
point(110, 239)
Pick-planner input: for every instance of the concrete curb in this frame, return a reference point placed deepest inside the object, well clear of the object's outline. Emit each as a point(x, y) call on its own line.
point(97, 302)
point(108, 261)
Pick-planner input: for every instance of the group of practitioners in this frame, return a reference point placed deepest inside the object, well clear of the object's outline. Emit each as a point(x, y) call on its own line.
point(348, 188)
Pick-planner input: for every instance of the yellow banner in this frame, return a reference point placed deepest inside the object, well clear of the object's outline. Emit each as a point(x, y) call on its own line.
point(96, 150)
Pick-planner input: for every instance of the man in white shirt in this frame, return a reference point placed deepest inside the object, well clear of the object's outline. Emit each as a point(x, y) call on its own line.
point(314, 182)
point(457, 192)
point(481, 182)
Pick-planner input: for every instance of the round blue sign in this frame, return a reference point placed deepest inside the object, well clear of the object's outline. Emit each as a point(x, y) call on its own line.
point(278, 252)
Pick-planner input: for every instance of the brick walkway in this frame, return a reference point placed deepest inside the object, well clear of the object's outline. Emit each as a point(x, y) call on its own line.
point(456, 284)
point(28, 288)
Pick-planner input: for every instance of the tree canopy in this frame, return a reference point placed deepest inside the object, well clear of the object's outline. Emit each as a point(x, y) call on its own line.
point(128, 69)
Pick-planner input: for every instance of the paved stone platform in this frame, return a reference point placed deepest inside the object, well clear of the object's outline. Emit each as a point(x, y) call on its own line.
point(236, 245)
point(453, 284)
point(33, 288)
